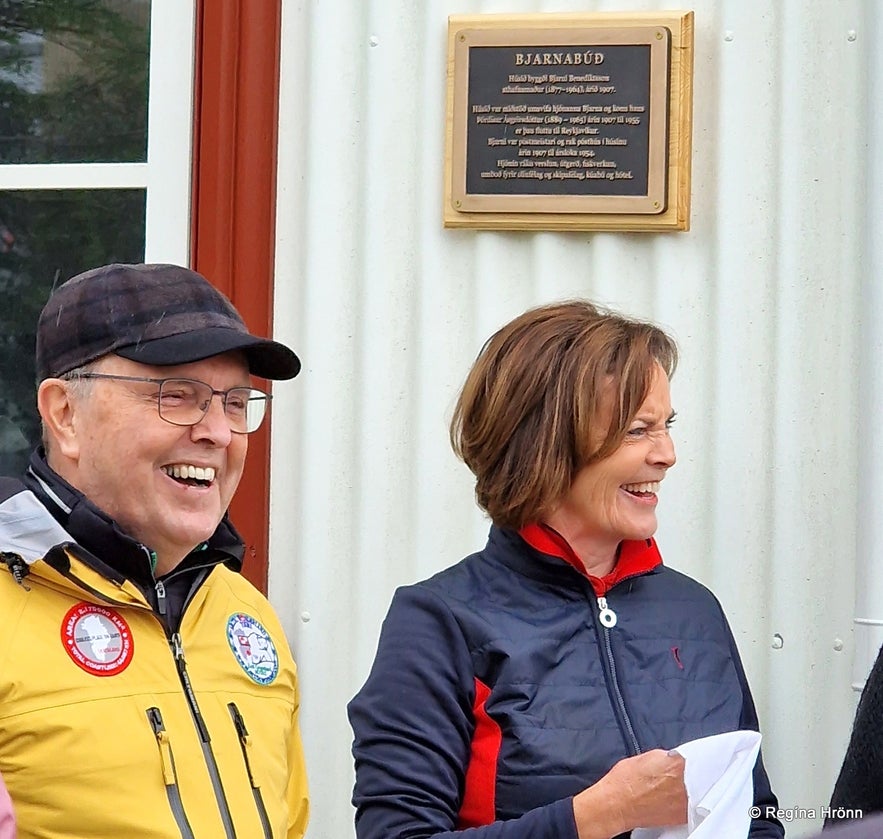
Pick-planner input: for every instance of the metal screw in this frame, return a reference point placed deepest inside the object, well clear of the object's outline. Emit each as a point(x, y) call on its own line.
point(851, 36)
point(778, 642)
point(305, 617)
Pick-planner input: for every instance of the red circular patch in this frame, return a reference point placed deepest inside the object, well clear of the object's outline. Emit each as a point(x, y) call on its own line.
point(97, 639)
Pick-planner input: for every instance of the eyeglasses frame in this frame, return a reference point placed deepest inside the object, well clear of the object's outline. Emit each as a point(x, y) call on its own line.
point(267, 397)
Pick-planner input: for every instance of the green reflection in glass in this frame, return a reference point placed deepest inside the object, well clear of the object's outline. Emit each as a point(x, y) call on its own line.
point(73, 81)
point(45, 238)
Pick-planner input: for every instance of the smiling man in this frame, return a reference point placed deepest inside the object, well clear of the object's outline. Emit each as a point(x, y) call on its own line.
point(146, 688)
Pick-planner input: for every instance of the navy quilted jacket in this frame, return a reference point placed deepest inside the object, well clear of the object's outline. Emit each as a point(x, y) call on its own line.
point(497, 694)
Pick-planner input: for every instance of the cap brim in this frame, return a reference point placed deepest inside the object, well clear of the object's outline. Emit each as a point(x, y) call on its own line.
point(267, 359)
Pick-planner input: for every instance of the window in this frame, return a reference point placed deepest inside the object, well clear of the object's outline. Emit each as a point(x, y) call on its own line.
point(95, 136)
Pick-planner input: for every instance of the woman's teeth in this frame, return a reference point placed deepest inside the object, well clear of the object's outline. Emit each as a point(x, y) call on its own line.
point(650, 486)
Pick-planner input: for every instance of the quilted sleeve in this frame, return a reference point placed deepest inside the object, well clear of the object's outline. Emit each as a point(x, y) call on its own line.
point(413, 725)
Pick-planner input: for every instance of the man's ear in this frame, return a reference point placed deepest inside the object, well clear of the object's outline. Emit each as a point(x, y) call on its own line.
point(57, 410)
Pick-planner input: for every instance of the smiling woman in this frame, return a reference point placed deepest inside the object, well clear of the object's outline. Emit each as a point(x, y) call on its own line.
point(614, 498)
point(555, 390)
point(517, 694)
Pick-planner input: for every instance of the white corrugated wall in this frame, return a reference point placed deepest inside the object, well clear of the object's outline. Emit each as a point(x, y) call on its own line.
point(773, 501)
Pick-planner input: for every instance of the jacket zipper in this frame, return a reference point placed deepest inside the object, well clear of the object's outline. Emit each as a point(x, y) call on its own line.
point(170, 776)
point(245, 745)
point(177, 648)
point(607, 618)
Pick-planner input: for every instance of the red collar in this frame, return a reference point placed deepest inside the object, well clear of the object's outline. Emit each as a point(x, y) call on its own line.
point(635, 557)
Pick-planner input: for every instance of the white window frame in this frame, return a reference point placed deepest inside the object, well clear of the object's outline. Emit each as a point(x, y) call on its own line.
point(166, 175)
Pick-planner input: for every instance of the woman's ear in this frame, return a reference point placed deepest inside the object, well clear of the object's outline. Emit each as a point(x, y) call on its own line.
point(57, 409)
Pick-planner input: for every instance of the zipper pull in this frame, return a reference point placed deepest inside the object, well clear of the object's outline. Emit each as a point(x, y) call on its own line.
point(161, 597)
point(165, 748)
point(607, 615)
point(244, 742)
point(238, 722)
point(177, 647)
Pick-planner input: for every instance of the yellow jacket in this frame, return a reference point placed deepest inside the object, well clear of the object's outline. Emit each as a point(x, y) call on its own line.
point(112, 727)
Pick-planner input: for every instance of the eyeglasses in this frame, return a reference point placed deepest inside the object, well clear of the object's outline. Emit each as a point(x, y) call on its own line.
point(186, 401)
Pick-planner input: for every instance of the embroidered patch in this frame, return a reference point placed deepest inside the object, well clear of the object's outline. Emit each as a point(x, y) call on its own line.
point(97, 639)
point(253, 648)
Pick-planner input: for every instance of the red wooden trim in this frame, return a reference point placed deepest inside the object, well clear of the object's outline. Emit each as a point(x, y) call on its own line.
point(233, 212)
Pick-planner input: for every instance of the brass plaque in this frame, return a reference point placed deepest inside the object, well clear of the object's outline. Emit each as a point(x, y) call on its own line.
point(568, 119)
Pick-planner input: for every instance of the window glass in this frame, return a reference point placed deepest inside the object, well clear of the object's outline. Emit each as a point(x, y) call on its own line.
point(73, 81)
point(47, 236)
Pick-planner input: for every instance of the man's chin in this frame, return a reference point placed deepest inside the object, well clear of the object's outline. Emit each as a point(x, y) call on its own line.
point(193, 533)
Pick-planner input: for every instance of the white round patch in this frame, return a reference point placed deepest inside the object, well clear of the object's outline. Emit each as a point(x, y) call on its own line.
point(253, 648)
point(97, 639)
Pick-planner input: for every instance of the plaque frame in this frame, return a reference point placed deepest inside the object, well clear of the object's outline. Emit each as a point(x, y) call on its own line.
point(669, 36)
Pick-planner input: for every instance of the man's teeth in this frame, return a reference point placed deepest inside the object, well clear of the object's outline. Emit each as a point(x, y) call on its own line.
point(184, 471)
point(651, 486)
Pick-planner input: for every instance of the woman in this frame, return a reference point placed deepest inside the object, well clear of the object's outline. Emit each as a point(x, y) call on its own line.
point(7, 817)
point(533, 689)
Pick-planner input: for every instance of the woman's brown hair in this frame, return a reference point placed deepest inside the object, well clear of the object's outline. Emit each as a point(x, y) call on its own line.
point(550, 392)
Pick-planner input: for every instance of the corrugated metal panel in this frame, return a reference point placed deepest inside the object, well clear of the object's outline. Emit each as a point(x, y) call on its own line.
point(764, 294)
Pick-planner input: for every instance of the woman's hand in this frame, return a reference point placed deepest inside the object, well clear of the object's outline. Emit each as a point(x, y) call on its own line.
point(646, 790)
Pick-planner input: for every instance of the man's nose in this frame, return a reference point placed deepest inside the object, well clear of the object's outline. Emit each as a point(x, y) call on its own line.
point(214, 424)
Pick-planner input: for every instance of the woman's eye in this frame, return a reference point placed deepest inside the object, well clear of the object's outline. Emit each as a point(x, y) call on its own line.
point(636, 432)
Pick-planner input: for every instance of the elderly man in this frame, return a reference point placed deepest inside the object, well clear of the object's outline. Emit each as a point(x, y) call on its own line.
point(146, 688)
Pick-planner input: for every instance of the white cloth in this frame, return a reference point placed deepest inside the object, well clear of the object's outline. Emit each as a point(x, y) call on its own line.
point(720, 788)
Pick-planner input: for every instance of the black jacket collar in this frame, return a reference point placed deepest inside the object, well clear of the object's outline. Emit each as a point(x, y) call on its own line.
point(116, 554)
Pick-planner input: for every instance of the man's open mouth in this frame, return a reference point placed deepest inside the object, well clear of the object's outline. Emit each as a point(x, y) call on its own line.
point(185, 473)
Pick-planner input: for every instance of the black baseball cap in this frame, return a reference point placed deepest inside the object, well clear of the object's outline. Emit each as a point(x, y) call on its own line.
point(156, 314)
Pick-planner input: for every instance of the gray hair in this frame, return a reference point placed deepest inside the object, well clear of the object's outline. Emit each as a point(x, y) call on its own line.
point(77, 386)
